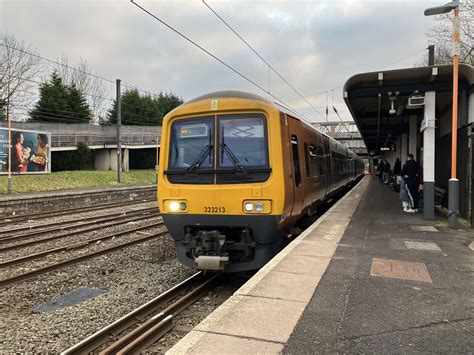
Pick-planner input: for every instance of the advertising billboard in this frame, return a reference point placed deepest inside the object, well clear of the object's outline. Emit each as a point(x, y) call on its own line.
point(30, 152)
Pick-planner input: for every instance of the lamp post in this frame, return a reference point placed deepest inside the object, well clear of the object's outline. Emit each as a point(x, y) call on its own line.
point(453, 203)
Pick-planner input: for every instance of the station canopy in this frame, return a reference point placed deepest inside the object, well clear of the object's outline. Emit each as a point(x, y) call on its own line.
point(369, 97)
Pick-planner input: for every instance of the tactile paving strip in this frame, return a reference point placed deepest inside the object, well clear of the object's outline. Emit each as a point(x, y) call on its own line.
point(398, 269)
point(423, 228)
point(422, 245)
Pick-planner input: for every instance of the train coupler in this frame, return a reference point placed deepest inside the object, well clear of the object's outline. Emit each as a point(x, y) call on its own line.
point(210, 262)
point(212, 249)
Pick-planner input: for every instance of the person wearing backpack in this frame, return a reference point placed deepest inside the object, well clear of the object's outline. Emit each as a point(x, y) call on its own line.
point(411, 173)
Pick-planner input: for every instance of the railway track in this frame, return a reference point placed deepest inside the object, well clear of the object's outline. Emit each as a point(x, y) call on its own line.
point(8, 220)
point(34, 273)
point(152, 329)
point(76, 245)
point(113, 223)
point(117, 218)
point(12, 231)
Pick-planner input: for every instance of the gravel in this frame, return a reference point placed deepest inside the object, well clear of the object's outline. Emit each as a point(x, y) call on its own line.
point(132, 276)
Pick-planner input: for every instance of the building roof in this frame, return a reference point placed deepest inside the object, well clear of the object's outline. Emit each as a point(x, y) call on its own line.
point(367, 97)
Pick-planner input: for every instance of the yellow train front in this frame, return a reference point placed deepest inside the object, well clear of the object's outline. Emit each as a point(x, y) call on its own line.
point(227, 187)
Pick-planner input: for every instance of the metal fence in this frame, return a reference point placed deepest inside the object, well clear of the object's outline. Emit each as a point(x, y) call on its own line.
point(67, 135)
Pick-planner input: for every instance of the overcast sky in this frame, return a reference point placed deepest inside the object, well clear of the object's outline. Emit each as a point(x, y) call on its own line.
point(315, 45)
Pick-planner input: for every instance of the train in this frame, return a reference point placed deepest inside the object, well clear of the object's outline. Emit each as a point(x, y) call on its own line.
point(237, 172)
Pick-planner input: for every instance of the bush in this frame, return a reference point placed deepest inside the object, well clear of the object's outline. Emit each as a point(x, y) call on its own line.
point(79, 159)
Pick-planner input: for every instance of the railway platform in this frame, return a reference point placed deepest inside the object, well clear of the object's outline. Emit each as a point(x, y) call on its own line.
point(364, 278)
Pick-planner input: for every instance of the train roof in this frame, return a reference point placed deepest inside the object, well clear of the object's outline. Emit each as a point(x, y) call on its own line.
point(235, 94)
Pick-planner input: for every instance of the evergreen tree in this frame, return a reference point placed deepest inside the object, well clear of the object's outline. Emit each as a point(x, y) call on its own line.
point(143, 110)
point(78, 103)
point(168, 102)
point(60, 103)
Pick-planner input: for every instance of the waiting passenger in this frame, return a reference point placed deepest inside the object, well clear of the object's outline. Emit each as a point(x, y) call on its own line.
point(386, 175)
point(397, 167)
point(404, 197)
point(380, 171)
point(411, 173)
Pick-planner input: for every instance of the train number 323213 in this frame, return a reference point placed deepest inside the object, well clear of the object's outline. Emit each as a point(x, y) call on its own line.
point(214, 209)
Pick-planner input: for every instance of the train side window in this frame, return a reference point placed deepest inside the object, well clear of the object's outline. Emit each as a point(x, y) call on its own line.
point(314, 161)
point(296, 160)
point(306, 160)
point(320, 154)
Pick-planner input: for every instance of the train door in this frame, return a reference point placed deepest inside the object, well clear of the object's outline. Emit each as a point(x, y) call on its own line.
point(324, 174)
point(328, 165)
point(297, 159)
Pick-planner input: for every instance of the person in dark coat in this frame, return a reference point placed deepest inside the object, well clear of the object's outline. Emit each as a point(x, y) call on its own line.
point(386, 175)
point(380, 171)
point(411, 173)
point(397, 167)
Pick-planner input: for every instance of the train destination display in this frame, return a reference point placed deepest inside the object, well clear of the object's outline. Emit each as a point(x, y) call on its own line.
point(30, 152)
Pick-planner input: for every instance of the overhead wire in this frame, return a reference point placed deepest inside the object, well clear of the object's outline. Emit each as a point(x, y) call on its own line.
point(94, 96)
point(130, 86)
point(263, 59)
point(218, 59)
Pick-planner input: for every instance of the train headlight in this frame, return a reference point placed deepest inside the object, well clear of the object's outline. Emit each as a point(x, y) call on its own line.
point(175, 206)
point(257, 207)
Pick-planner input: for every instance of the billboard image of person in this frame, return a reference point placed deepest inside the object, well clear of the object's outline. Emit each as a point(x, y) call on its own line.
point(30, 152)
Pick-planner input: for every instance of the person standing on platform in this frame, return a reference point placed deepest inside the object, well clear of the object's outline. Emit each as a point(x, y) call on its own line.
point(411, 174)
point(397, 167)
point(380, 171)
point(386, 175)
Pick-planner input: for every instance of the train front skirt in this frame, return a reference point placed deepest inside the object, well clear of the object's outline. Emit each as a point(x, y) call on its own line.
point(228, 243)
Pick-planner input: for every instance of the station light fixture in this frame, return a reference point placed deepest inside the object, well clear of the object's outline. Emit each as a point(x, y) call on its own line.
point(444, 9)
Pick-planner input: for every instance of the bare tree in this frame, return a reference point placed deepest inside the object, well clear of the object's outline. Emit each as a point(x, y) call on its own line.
point(441, 36)
point(88, 83)
point(17, 70)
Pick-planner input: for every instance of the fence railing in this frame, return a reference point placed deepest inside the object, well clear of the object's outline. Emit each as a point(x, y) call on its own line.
point(66, 135)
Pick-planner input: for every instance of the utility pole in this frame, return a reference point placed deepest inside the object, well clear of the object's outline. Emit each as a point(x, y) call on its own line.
point(453, 184)
point(9, 152)
point(119, 133)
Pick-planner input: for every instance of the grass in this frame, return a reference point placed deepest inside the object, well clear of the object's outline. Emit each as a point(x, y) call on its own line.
point(75, 180)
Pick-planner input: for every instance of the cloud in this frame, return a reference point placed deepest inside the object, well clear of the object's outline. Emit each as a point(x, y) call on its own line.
point(315, 45)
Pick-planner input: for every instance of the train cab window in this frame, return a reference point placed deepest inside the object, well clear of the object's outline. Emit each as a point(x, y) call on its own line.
point(242, 140)
point(296, 161)
point(237, 152)
point(191, 150)
point(242, 148)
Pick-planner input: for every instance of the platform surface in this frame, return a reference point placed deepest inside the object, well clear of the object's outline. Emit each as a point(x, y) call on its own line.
point(366, 277)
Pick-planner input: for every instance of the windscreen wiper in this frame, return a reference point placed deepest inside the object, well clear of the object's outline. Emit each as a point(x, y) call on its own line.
point(200, 158)
point(237, 164)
